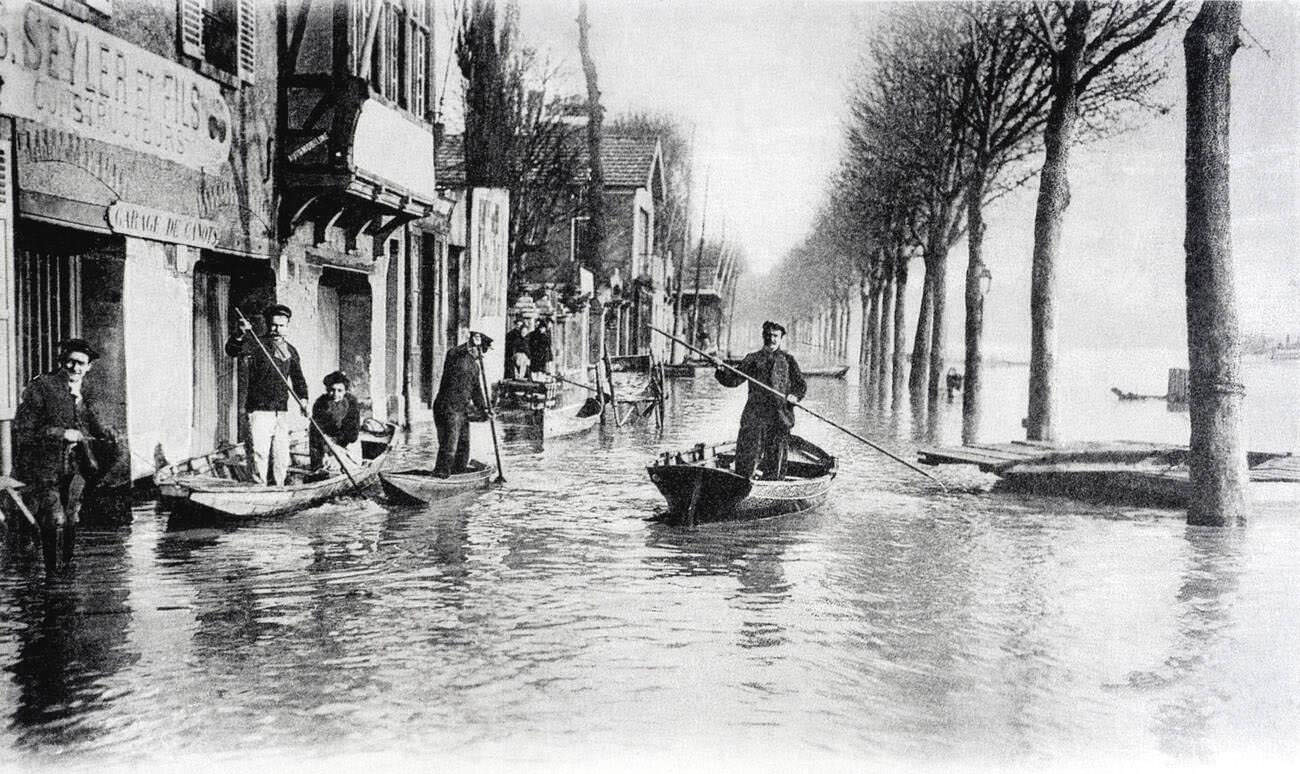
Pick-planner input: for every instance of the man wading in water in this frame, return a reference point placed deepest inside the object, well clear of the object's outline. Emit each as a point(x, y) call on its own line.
point(53, 428)
point(766, 421)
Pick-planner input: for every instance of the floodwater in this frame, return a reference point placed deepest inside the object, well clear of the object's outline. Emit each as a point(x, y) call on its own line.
point(547, 625)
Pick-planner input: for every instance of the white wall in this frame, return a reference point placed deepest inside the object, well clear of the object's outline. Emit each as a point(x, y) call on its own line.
point(158, 334)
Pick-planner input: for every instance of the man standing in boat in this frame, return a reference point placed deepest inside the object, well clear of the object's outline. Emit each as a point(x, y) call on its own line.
point(460, 397)
point(766, 421)
point(270, 366)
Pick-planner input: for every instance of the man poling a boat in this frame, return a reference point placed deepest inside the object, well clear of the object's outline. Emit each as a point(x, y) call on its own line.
point(286, 365)
point(274, 377)
point(768, 416)
point(461, 398)
point(835, 425)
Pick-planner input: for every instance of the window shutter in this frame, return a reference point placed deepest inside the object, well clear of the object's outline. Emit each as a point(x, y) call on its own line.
point(192, 28)
point(247, 39)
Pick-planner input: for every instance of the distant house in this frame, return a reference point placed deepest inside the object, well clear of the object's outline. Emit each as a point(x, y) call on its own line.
point(634, 266)
point(708, 286)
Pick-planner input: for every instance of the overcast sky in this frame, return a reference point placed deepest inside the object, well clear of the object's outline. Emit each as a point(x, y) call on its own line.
point(763, 84)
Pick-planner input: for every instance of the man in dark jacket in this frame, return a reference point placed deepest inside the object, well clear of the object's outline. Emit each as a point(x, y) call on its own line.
point(766, 421)
point(460, 396)
point(268, 400)
point(539, 348)
point(52, 431)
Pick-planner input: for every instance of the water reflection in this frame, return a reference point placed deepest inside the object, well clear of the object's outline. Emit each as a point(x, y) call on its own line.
point(1204, 613)
point(72, 640)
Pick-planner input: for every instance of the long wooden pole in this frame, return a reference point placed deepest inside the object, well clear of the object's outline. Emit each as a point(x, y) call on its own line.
point(329, 444)
point(830, 422)
point(492, 422)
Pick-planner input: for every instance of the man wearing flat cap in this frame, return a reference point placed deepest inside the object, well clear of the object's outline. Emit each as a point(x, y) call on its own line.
point(52, 430)
point(460, 396)
point(766, 421)
point(270, 364)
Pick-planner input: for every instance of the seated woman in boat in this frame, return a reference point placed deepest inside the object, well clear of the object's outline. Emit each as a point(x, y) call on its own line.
point(338, 415)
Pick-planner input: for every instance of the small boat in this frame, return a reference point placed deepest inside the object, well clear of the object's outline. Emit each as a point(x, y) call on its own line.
point(422, 486)
point(829, 372)
point(1124, 395)
point(220, 484)
point(699, 485)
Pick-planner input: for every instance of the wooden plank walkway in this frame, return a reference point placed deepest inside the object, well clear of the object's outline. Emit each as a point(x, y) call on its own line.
point(1117, 470)
point(995, 458)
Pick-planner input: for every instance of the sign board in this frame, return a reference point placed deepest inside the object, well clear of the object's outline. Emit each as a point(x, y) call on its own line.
point(390, 146)
point(72, 75)
point(148, 223)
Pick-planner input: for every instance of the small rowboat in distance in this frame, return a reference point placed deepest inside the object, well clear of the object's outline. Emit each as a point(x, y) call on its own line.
point(699, 485)
point(422, 486)
point(830, 372)
point(219, 484)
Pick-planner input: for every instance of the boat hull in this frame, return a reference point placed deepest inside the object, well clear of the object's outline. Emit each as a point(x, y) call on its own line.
point(200, 488)
point(699, 488)
point(421, 486)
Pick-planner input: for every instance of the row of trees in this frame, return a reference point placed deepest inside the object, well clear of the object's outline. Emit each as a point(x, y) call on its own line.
point(958, 104)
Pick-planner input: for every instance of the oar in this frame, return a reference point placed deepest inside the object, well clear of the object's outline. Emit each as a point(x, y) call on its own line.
point(492, 423)
point(576, 383)
point(329, 443)
point(777, 393)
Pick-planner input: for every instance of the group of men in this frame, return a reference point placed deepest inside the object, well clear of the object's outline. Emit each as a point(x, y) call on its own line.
point(528, 352)
point(54, 425)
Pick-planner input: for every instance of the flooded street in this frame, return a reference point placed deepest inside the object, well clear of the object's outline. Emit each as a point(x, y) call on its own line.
point(548, 621)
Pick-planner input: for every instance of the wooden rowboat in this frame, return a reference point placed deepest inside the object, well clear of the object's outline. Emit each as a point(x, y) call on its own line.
point(422, 486)
point(219, 484)
point(699, 485)
point(832, 371)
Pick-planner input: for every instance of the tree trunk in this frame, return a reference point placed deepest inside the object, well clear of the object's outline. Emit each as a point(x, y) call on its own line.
point(916, 380)
point(900, 328)
point(596, 226)
point(883, 336)
point(936, 265)
point(873, 332)
point(864, 349)
point(970, 399)
point(1217, 459)
point(1053, 199)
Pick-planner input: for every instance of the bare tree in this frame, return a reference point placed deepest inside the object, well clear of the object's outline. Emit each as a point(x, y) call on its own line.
point(1097, 59)
point(1217, 460)
point(597, 227)
point(907, 111)
point(1002, 107)
point(545, 163)
point(483, 55)
point(514, 137)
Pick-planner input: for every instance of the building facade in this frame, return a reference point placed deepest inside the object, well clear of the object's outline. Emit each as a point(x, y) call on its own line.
point(138, 189)
point(166, 167)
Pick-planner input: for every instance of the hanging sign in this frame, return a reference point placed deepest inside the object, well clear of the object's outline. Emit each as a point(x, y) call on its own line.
point(71, 75)
point(148, 223)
